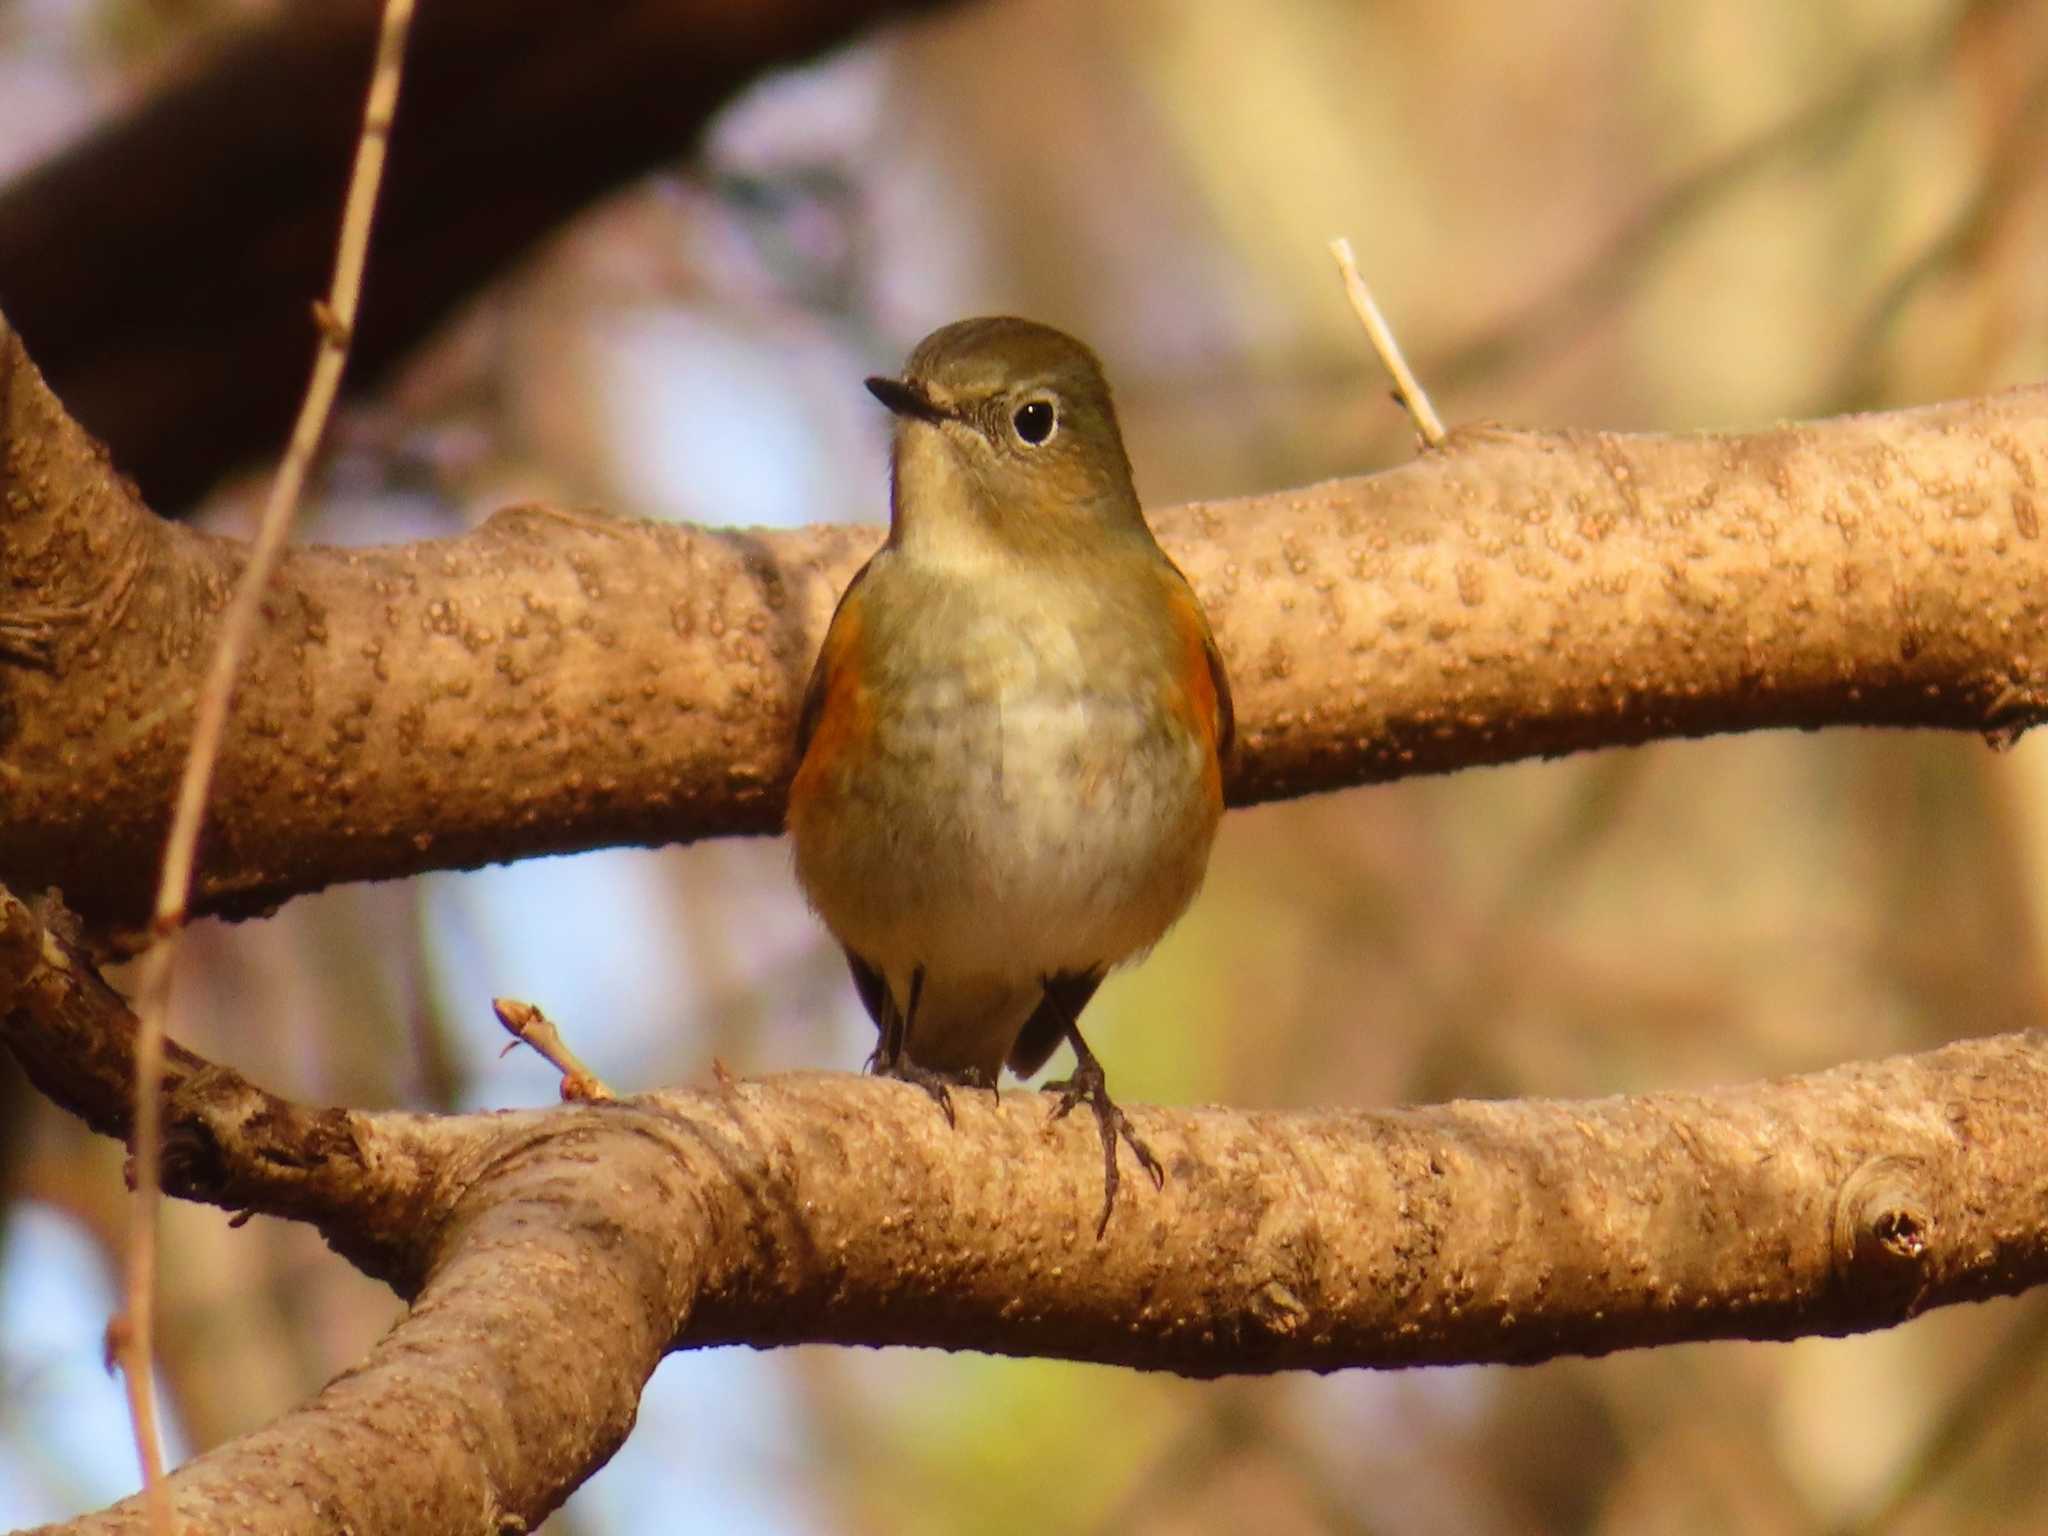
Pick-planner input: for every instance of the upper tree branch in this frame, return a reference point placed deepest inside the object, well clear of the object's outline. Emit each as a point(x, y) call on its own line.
point(555, 1256)
point(560, 680)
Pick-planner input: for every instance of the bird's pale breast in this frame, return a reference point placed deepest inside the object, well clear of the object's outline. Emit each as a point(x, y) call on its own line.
point(1025, 797)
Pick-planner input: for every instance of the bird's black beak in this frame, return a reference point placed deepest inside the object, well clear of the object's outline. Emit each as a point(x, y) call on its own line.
point(905, 399)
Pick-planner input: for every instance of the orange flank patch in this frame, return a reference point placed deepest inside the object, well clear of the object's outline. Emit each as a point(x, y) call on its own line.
point(1202, 697)
point(837, 714)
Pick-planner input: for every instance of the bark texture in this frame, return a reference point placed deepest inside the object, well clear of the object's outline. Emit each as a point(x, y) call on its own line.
point(563, 679)
point(552, 1258)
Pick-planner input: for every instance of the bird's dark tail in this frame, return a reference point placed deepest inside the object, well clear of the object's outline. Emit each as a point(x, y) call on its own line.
point(1057, 1011)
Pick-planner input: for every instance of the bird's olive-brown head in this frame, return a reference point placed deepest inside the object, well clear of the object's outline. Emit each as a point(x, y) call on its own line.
point(1005, 439)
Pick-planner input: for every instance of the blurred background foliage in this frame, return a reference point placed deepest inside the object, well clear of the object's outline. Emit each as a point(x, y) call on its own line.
point(1600, 213)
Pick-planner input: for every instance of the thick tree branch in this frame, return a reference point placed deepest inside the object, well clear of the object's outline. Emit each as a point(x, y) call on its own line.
point(561, 680)
point(558, 1254)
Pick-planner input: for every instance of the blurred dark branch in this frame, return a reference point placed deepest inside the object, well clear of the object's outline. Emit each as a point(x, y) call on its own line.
point(165, 268)
point(557, 1255)
point(558, 680)
point(16, 1098)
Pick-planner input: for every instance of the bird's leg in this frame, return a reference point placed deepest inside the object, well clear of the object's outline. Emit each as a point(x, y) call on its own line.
point(895, 1029)
point(1090, 1084)
point(892, 1057)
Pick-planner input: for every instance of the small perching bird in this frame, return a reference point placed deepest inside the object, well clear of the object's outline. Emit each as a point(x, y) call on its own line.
point(1010, 752)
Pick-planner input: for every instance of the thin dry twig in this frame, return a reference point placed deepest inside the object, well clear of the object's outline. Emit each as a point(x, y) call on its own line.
point(529, 1026)
point(131, 1336)
point(1413, 398)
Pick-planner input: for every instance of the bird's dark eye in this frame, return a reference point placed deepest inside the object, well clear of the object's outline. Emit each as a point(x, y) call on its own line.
point(1034, 421)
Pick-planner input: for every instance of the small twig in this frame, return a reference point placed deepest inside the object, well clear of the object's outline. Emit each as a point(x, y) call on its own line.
point(1406, 385)
point(529, 1026)
point(132, 1335)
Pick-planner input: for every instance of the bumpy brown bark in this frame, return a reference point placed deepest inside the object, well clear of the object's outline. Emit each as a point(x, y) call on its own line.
point(553, 1257)
point(561, 679)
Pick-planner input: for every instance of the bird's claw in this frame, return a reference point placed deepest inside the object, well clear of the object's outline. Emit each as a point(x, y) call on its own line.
point(939, 1085)
point(1088, 1084)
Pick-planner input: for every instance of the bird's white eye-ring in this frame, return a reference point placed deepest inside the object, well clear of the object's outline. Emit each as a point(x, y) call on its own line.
point(1034, 422)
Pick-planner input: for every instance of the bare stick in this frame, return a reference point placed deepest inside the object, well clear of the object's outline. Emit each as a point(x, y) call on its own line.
point(529, 1026)
point(1405, 383)
point(131, 1336)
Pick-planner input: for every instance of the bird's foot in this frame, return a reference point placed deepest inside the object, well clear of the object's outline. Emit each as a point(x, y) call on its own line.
point(938, 1084)
point(1089, 1085)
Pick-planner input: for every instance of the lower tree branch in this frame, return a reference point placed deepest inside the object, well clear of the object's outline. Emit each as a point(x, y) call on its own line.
point(371, 1188)
point(558, 1254)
